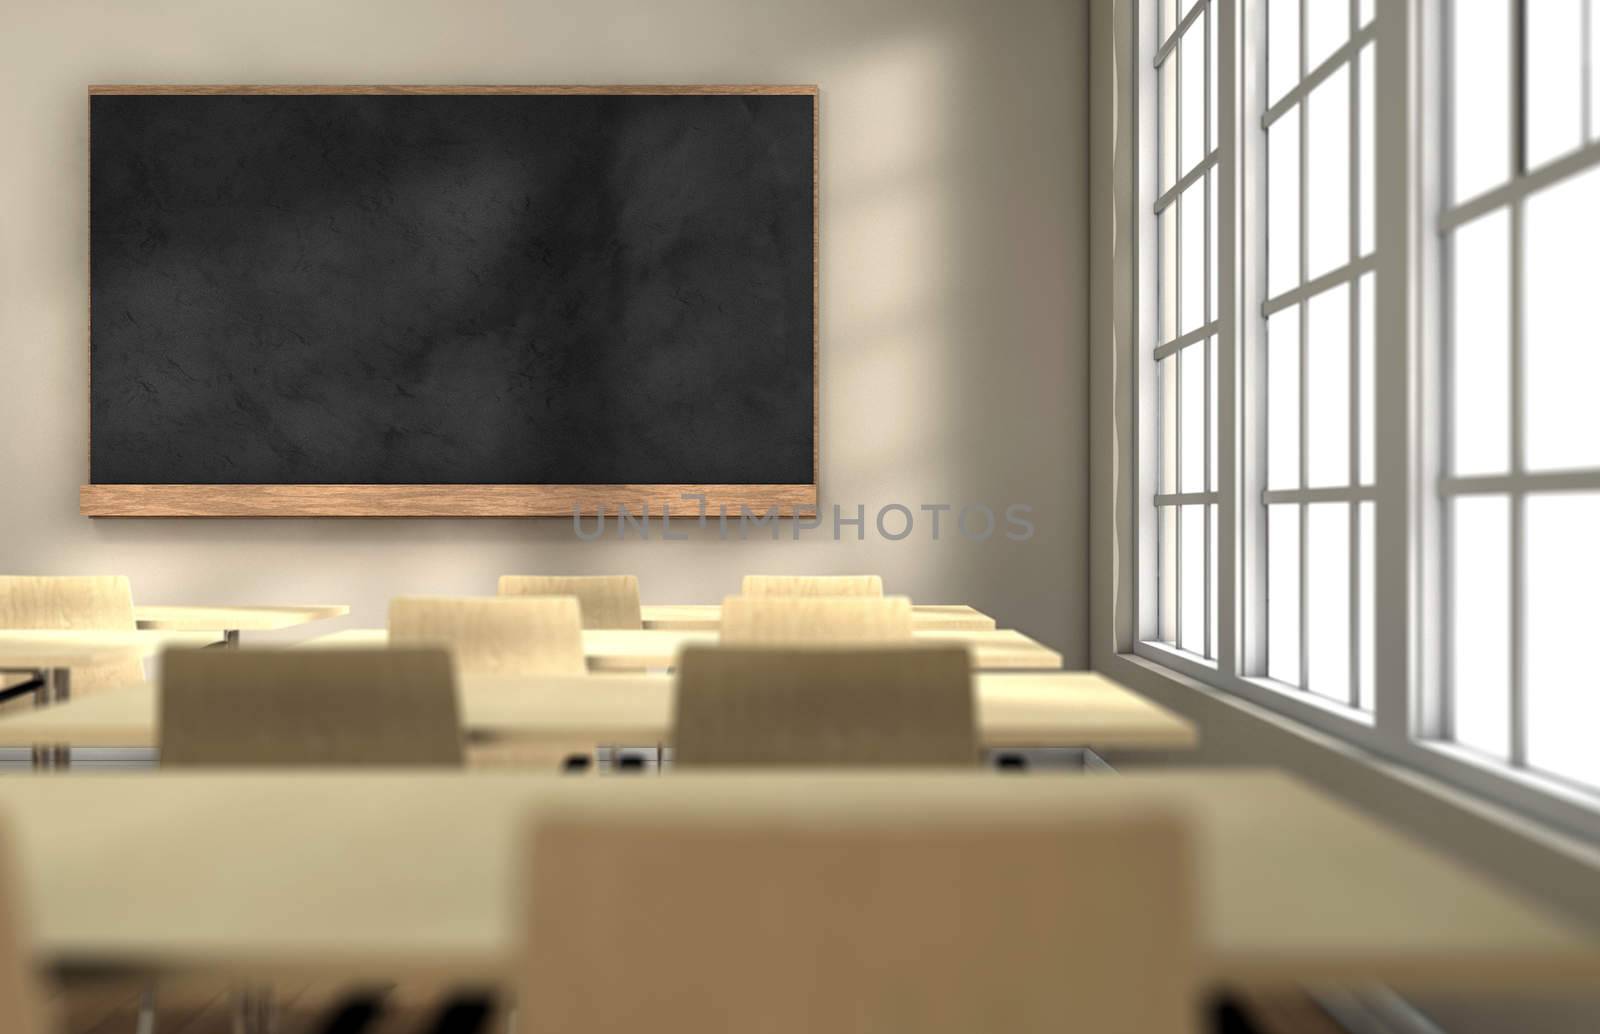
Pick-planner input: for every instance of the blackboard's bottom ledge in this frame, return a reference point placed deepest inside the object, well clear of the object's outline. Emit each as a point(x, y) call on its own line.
point(683, 501)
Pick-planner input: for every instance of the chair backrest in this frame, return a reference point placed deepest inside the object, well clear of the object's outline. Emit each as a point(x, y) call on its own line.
point(495, 635)
point(20, 1001)
point(309, 707)
point(789, 621)
point(933, 926)
point(604, 600)
point(75, 602)
point(898, 705)
point(811, 585)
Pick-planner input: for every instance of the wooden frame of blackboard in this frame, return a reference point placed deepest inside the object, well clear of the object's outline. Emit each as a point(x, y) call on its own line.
point(469, 500)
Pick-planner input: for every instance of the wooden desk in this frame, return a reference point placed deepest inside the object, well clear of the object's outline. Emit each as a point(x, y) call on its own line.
point(391, 875)
point(230, 621)
point(1032, 709)
point(703, 617)
point(623, 650)
point(51, 654)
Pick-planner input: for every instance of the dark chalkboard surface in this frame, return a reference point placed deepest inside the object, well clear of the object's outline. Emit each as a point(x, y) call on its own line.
point(475, 289)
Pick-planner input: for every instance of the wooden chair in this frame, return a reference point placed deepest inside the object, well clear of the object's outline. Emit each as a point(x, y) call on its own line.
point(75, 602)
point(653, 920)
point(910, 705)
point(308, 707)
point(789, 621)
point(21, 1005)
point(812, 585)
point(502, 635)
point(505, 635)
point(605, 601)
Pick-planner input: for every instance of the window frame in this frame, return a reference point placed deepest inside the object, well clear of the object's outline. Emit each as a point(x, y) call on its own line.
point(1449, 215)
point(1205, 337)
point(1213, 332)
point(1406, 265)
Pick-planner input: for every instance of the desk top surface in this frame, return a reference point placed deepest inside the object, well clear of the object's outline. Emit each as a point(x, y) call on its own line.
point(68, 648)
point(388, 873)
point(708, 617)
point(1022, 709)
point(251, 618)
point(611, 649)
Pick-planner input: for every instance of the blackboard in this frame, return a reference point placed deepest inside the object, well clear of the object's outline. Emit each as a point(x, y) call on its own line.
point(579, 289)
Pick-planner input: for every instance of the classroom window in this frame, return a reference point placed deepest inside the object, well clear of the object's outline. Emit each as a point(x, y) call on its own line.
point(1427, 599)
point(1184, 340)
point(1317, 240)
point(1520, 487)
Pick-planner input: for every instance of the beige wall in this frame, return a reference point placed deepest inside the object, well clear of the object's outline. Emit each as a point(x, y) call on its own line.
point(953, 309)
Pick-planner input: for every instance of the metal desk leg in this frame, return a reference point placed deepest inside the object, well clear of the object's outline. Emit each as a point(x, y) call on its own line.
point(49, 756)
point(56, 687)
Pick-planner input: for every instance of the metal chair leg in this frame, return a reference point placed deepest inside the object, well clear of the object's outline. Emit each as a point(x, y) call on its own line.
point(255, 1011)
point(147, 1011)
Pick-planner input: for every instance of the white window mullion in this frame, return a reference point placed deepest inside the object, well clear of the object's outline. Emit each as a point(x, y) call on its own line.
point(1396, 534)
point(1227, 424)
point(1353, 471)
point(1517, 690)
point(1249, 464)
point(1209, 636)
point(1301, 112)
point(1429, 712)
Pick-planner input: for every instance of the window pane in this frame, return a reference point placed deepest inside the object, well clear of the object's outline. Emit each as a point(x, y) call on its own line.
point(1367, 358)
point(1192, 607)
point(1169, 17)
point(1283, 398)
point(1211, 582)
point(1167, 386)
point(1561, 355)
point(1192, 81)
point(1283, 204)
point(1328, 389)
point(1554, 110)
point(1368, 154)
point(1168, 144)
point(1480, 623)
point(1212, 311)
point(1480, 328)
point(1167, 279)
point(1193, 419)
point(1365, 12)
point(1328, 600)
point(1368, 609)
point(1211, 346)
point(1594, 73)
point(1480, 95)
point(1283, 47)
point(1167, 575)
point(1563, 709)
point(1192, 253)
point(1327, 26)
point(1328, 175)
point(1211, 50)
point(1283, 593)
